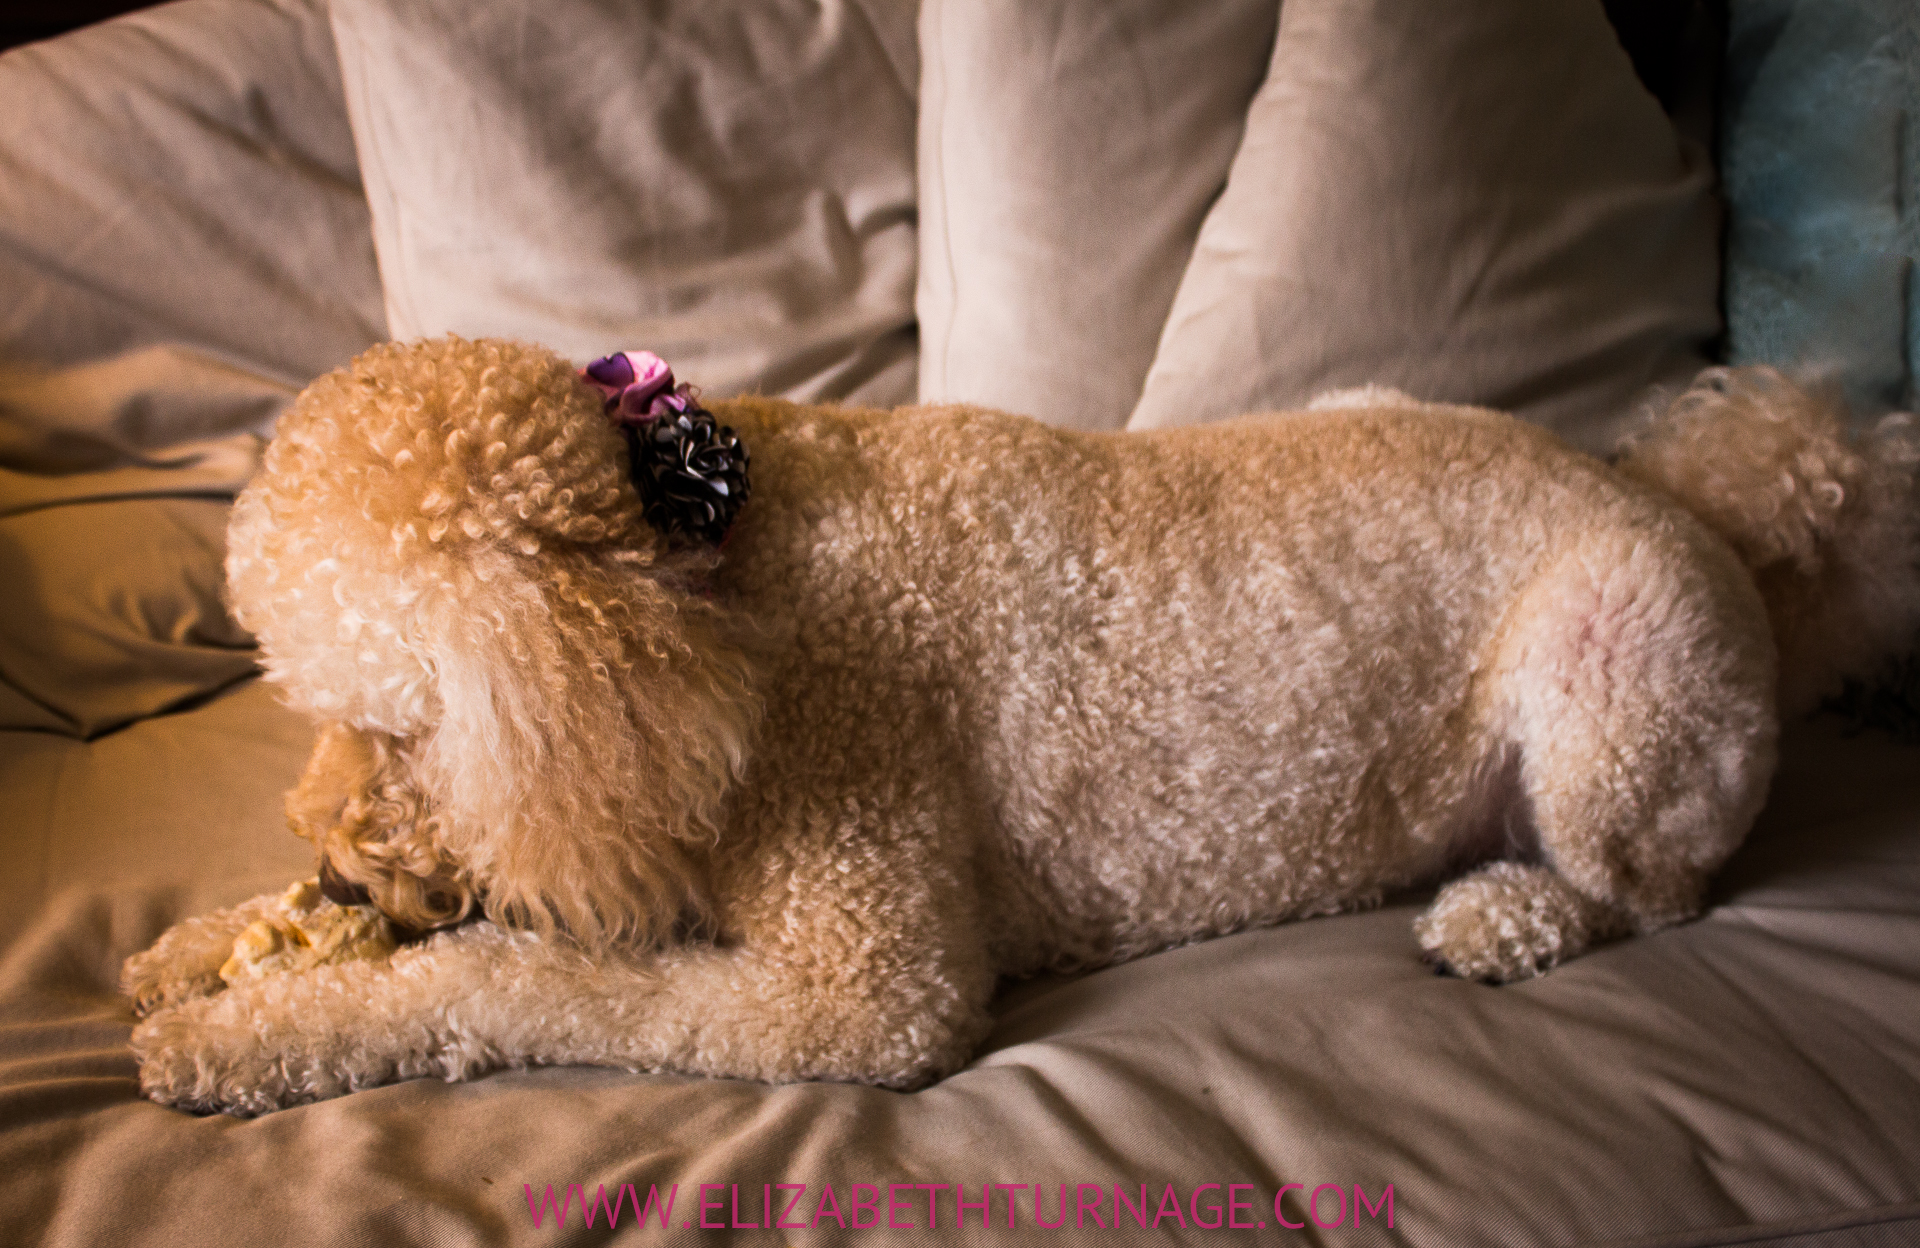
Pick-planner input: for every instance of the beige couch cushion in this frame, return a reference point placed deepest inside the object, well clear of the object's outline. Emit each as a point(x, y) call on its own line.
point(121, 617)
point(183, 243)
point(185, 176)
point(1475, 202)
point(728, 183)
point(114, 481)
point(1068, 152)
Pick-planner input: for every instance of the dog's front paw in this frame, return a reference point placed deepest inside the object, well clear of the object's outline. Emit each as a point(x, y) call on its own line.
point(185, 962)
point(193, 1061)
point(153, 981)
point(289, 1037)
point(284, 1039)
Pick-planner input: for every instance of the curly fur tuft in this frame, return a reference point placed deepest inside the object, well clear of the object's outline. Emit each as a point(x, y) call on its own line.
point(444, 556)
point(360, 807)
point(1828, 524)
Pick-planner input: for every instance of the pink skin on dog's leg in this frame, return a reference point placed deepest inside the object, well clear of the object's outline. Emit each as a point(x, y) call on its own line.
point(1639, 686)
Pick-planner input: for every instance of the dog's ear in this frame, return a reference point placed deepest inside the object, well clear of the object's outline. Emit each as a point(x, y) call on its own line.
point(592, 720)
point(444, 547)
point(359, 803)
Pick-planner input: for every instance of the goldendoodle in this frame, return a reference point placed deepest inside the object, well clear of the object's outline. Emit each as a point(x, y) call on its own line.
point(962, 696)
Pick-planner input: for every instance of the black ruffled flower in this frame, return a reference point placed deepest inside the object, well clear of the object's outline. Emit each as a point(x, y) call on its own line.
point(691, 472)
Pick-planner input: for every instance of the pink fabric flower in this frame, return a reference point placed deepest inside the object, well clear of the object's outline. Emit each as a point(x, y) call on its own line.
point(638, 386)
point(690, 469)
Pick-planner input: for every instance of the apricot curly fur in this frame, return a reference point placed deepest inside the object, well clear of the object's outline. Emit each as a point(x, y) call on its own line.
point(1825, 520)
point(970, 697)
point(443, 551)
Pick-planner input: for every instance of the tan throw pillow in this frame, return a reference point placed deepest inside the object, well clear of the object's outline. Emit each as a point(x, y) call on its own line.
point(728, 183)
point(1068, 153)
point(115, 613)
point(1471, 200)
point(184, 176)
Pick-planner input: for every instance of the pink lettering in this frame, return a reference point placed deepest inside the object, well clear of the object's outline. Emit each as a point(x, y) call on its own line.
point(545, 1207)
point(933, 1214)
point(738, 1225)
point(1059, 1208)
point(985, 1207)
point(799, 1191)
point(893, 1203)
point(1080, 1209)
point(1313, 1206)
point(653, 1195)
point(599, 1205)
point(1235, 1206)
point(1193, 1205)
point(871, 1204)
point(1360, 1201)
point(1280, 1213)
point(713, 1204)
point(1010, 1189)
point(820, 1211)
point(1170, 1206)
point(719, 1206)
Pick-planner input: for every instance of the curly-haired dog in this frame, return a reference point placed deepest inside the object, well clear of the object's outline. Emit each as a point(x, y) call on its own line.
point(967, 696)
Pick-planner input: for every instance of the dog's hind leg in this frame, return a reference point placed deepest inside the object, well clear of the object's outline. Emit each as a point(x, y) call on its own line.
point(1636, 677)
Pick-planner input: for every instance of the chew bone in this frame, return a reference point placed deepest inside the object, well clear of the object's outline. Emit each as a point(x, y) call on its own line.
point(305, 930)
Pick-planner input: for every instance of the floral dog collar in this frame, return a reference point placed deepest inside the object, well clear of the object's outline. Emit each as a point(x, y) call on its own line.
point(691, 470)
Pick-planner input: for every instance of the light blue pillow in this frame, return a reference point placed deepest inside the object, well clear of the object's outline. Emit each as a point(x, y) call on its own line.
point(1820, 152)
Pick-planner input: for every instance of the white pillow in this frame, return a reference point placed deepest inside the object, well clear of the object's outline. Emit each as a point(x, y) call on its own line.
point(1068, 152)
point(728, 183)
point(1474, 202)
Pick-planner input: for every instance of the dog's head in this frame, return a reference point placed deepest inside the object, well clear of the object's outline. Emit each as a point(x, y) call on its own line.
point(445, 563)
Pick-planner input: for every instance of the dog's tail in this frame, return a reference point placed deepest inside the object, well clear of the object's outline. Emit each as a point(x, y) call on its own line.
point(1828, 523)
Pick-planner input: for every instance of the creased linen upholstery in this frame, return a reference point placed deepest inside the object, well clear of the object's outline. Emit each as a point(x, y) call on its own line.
point(184, 176)
point(1723, 1082)
point(183, 244)
point(1068, 153)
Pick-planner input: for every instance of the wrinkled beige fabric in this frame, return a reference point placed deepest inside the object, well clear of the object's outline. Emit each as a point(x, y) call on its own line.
point(184, 176)
point(117, 613)
point(183, 244)
point(1753, 1069)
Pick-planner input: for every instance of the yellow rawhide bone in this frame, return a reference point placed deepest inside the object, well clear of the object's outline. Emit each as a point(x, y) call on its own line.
point(308, 930)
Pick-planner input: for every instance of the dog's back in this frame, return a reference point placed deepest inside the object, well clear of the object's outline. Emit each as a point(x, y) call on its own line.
point(1224, 676)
